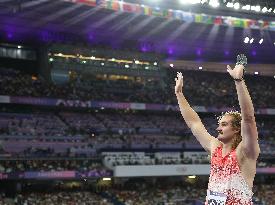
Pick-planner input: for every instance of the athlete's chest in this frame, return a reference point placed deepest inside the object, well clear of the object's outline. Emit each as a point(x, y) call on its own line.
point(224, 165)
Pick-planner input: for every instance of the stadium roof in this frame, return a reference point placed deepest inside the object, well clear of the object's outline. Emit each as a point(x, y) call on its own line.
point(263, 9)
point(52, 20)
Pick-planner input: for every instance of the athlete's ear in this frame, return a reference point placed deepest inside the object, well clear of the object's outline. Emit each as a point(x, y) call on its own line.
point(237, 130)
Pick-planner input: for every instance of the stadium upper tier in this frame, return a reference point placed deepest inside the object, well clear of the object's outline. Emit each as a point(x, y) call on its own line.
point(200, 88)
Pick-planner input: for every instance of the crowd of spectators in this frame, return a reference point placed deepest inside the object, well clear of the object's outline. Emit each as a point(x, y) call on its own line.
point(59, 198)
point(201, 88)
point(46, 165)
point(76, 133)
point(23, 148)
point(173, 195)
point(16, 83)
point(55, 125)
point(136, 194)
point(128, 191)
point(218, 89)
point(265, 193)
point(33, 125)
point(179, 193)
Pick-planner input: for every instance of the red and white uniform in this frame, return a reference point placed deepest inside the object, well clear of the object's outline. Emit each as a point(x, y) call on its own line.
point(225, 177)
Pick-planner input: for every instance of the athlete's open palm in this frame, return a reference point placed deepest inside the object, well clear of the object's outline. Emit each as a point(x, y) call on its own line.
point(179, 83)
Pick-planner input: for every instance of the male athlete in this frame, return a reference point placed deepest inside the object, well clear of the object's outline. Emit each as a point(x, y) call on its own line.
point(235, 151)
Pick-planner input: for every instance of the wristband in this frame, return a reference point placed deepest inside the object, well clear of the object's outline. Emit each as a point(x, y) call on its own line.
point(238, 80)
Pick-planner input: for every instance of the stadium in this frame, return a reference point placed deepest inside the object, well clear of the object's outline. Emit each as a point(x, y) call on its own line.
point(90, 113)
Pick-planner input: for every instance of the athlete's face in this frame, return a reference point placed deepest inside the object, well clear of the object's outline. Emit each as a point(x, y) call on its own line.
point(225, 129)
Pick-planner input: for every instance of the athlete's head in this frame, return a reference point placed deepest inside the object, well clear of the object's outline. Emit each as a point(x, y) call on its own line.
point(229, 128)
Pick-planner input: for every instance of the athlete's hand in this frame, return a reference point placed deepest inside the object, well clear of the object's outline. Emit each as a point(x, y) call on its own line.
point(237, 72)
point(179, 83)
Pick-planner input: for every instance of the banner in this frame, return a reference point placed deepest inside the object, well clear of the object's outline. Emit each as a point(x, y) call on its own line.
point(171, 170)
point(32, 100)
point(124, 171)
point(180, 15)
point(161, 170)
point(115, 105)
point(48, 175)
point(56, 174)
point(266, 170)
